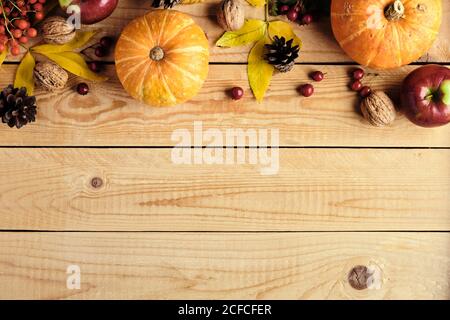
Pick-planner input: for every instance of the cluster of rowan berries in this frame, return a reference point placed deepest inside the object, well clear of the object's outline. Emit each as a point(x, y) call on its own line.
point(16, 19)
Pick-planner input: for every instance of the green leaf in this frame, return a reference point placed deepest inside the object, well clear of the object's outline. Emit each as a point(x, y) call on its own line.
point(257, 3)
point(252, 31)
point(3, 56)
point(74, 63)
point(283, 29)
point(24, 74)
point(65, 3)
point(80, 40)
point(259, 71)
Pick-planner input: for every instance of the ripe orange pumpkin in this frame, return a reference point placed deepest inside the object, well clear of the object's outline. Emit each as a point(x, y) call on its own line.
point(162, 58)
point(385, 34)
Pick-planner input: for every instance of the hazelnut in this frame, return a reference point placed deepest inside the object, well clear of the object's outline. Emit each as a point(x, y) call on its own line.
point(50, 76)
point(378, 109)
point(231, 15)
point(56, 30)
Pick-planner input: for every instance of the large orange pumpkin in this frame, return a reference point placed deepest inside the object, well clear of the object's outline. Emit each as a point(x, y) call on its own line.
point(385, 34)
point(162, 58)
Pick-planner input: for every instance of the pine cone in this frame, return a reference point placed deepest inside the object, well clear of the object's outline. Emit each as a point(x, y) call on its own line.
point(165, 3)
point(16, 107)
point(281, 54)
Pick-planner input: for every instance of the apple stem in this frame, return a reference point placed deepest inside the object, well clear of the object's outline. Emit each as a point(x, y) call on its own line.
point(429, 96)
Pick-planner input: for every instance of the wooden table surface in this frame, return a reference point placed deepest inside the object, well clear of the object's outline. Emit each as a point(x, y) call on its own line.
point(92, 184)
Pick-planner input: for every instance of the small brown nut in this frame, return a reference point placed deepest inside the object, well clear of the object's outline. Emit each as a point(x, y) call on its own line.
point(56, 30)
point(231, 15)
point(378, 109)
point(50, 76)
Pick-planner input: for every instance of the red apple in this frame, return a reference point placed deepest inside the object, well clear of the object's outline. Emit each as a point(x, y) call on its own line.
point(92, 11)
point(425, 96)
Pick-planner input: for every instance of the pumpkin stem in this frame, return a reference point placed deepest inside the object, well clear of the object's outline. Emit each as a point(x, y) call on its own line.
point(395, 10)
point(157, 53)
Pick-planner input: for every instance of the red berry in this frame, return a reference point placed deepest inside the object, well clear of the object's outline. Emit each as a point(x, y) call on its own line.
point(94, 66)
point(32, 32)
point(100, 52)
point(284, 8)
point(16, 33)
point(23, 39)
point(365, 91)
point(292, 15)
point(356, 85)
point(38, 6)
point(39, 16)
point(21, 24)
point(317, 76)
point(307, 19)
point(15, 51)
point(306, 90)
point(237, 93)
point(358, 74)
point(82, 88)
point(106, 42)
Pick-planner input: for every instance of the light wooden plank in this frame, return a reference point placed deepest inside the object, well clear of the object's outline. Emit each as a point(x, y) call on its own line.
point(142, 190)
point(224, 266)
point(319, 44)
point(108, 116)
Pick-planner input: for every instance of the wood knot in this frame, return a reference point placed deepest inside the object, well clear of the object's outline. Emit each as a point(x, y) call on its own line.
point(358, 277)
point(96, 182)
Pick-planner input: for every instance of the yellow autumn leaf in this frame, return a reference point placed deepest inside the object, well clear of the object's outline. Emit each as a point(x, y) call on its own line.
point(257, 3)
point(259, 71)
point(3, 56)
point(283, 29)
point(74, 63)
point(24, 74)
point(80, 40)
point(252, 31)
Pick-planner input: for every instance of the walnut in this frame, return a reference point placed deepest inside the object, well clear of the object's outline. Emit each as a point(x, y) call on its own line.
point(378, 109)
point(50, 76)
point(56, 30)
point(231, 15)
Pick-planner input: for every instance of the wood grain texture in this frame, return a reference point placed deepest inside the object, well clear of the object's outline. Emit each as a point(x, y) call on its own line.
point(319, 44)
point(108, 116)
point(223, 266)
point(142, 190)
point(134, 189)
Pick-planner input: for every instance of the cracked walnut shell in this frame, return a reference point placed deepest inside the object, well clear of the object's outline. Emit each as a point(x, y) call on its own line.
point(50, 76)
point(378, 109)
point(56, 30)
point(231, 15)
